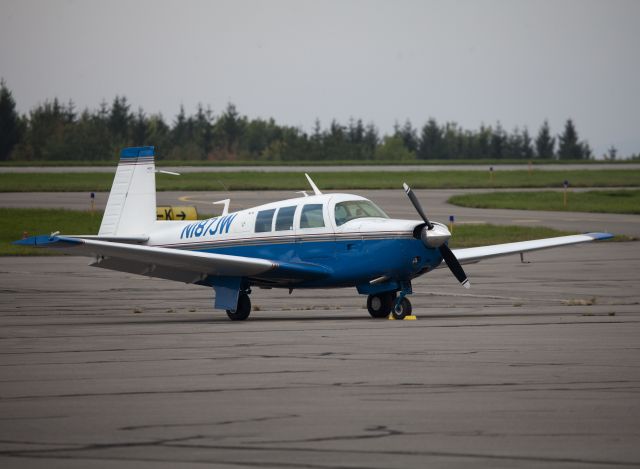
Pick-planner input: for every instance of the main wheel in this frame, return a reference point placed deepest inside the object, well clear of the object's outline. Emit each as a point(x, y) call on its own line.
point(242, 310)
point(402, 310)
point(380, 305)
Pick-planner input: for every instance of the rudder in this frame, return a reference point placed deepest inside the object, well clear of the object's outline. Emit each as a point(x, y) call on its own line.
point(131, 208)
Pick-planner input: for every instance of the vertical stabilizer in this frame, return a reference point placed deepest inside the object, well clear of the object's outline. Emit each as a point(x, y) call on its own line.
point(131, 209)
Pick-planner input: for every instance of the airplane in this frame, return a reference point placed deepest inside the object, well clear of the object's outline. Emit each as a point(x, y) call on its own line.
point(315, 241)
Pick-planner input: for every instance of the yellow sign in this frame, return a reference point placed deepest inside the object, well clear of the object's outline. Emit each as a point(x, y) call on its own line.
point(176, 213)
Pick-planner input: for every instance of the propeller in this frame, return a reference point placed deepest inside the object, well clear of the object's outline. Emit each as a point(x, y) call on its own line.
point(455, 267)
point(435, 236)
point(416, 205)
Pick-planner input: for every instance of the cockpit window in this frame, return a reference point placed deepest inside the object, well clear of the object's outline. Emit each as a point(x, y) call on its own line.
point(352, 209)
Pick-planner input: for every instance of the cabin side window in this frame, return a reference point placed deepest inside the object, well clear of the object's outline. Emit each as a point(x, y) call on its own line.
point(311, 216)
point(284, 220)
point(263, 220)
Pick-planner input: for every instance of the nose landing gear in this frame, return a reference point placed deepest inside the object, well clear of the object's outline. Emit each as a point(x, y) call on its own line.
point(402, 308)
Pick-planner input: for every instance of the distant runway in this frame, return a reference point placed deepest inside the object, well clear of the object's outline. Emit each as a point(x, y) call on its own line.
point(536, 366)
point(323, 169)
point(394, 202)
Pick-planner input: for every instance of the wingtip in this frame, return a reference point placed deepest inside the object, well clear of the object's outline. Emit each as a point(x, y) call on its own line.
point(599, 236)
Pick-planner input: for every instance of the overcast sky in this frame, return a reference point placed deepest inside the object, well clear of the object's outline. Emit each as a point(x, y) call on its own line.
point(473, 62)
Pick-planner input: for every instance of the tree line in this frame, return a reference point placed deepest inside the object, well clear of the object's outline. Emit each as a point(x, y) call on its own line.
point(55, 131)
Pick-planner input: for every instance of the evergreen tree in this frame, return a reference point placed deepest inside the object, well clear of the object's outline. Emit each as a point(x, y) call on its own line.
point(10, 127)
point(587, 152)
point(519, 145)
point(451, 141)
point(158, 135)
point(203, 131)
point(119, 120)
point(498, 142)
point(570, 148)
point(483, 139)
point(48, 132)
point(370, 142)
point(355, 131)
point(55, 131)
point(527, 145)
point(545, 143)
point(231, 127)
point(316, 142)
point(430, 146)
point(92, 138)
point(139, 130)
point(408, 135)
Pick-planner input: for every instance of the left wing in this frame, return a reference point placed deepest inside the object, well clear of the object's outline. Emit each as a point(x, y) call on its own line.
point(471, 255)
point(177, 264)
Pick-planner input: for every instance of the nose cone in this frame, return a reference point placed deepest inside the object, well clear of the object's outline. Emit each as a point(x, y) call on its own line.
point(435, 237)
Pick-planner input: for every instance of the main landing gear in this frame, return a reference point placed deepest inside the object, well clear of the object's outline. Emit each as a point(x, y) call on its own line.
point(381, 305)
point(243, 309)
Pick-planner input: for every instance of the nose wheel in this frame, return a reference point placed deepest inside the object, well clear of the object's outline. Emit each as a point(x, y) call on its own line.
point(401, 308)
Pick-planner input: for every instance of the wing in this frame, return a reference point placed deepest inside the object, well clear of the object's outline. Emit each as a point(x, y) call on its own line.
point(177, 264)
point(471, 255)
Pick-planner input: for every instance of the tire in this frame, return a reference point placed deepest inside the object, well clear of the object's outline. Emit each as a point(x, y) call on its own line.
point(379, 306)
point(242, 310)
point(402, 310)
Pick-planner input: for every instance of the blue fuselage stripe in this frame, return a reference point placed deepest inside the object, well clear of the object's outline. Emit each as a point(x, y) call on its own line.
point(353, 261)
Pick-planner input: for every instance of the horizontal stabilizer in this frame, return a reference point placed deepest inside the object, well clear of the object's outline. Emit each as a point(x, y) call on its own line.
point(177, 264)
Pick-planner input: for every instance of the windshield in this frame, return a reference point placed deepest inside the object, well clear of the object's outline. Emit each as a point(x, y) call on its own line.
point(352, 209)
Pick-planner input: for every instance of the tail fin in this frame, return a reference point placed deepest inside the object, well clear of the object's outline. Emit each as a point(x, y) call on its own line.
point(131, 209)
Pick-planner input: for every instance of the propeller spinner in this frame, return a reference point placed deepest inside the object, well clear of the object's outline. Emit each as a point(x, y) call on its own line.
point(436, 236)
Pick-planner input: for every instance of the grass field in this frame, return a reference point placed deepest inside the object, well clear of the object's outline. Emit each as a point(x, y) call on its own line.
point(620, 201)
point(240, 163)
point(256, 180)
point(15, 222)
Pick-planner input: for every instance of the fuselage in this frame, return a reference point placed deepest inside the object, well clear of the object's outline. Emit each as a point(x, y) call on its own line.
point(347, 234)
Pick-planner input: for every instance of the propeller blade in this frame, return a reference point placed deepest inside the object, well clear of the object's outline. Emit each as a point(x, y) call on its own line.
point(455, 267)
point(416, 204)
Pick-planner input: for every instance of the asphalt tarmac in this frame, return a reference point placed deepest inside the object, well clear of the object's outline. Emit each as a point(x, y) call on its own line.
point(538, 365)
point(394, 202)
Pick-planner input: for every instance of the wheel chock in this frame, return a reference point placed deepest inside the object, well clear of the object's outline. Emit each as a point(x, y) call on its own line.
point(410, 317)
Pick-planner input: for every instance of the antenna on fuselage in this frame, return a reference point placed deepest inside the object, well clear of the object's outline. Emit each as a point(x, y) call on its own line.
point(303, 193)
point(316, 191)
point(226, 203)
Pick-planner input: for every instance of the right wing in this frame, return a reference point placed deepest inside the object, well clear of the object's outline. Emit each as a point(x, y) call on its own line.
point(471, 255)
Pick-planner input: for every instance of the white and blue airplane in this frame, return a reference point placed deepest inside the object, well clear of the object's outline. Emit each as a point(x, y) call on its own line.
point(315, 241)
